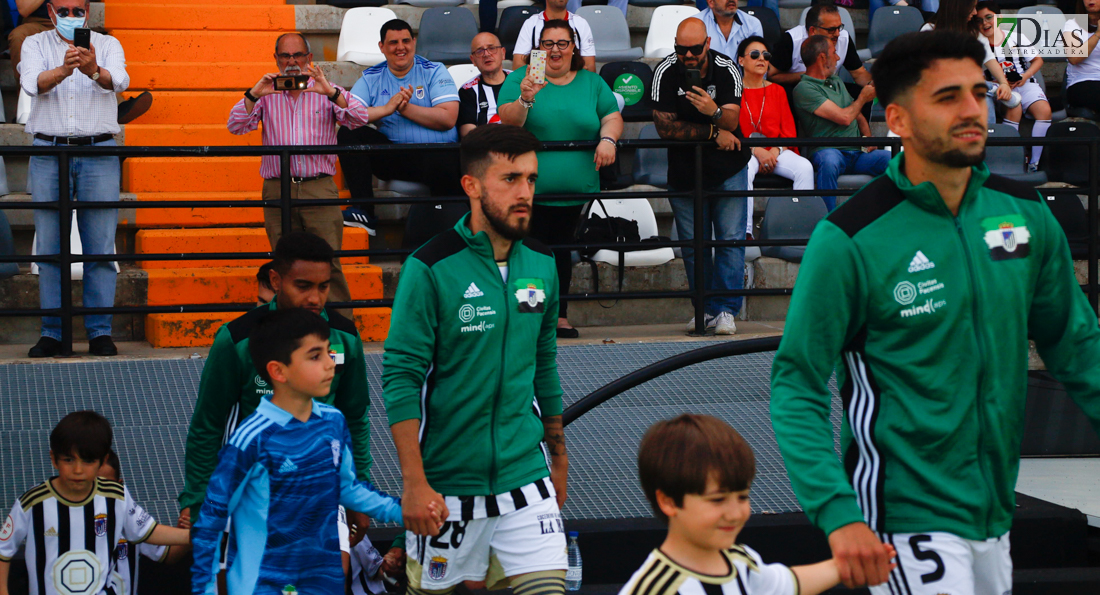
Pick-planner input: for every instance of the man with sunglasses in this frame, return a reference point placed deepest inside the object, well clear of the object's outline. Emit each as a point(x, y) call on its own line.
point(822, 19)
point(302, 117)
point(73, 103)
point(477, 98)
point(708, 112)
point(728, 26)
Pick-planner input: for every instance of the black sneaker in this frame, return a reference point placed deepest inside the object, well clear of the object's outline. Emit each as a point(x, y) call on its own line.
point(45, 347)
point(102, 345)
point(353, 217)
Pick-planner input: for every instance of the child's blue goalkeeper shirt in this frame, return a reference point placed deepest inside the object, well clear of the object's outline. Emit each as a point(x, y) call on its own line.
point(280, 480)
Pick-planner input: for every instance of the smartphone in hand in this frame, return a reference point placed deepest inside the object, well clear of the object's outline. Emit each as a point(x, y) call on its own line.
point(694, 79)
point(82, 38)
point(537, 67)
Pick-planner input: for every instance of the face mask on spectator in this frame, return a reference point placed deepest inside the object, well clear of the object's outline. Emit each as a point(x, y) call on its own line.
point(66, 26)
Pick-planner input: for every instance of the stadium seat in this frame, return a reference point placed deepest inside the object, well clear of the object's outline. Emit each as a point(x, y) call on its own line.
point(787, 218)
point(795, 3)
point(1065, 162)
point(353, 3)
point(445, 35)
point(633, 81)
point(1010, 161)
point(651, 165)
point(610, 32)
point(768, 21)
point(636, 209)
point(7, 248)
point(359, 35)
point(430, 3)
point(662, 29)
point(405, 187)
point(502, 4)
point(1038, 12)
point(1074, 219)
point(462, 73)
point(890, 22)
point(23, 107)
point(653, 3)
point(511, 21)
point(845, 19)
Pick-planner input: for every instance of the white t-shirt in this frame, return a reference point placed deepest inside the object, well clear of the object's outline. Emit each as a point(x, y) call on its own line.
point(1089, 70)
point(532, 29)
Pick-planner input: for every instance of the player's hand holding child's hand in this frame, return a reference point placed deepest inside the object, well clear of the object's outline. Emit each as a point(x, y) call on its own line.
point(862, 559)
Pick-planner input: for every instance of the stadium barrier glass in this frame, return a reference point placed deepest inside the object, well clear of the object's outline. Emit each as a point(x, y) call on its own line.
point(700, 242)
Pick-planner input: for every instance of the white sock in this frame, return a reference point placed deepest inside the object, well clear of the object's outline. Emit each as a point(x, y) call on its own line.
point(1038, 131)
point(1014, 125)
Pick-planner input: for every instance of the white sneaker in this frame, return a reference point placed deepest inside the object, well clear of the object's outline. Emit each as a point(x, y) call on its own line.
point(724, 325)
point(708, 320)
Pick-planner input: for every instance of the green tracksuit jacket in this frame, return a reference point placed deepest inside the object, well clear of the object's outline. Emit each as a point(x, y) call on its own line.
point(474, 359)
point(230, 390)
point(926, 317)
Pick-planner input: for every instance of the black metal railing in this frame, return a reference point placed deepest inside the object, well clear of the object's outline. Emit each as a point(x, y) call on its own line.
point(698, 193)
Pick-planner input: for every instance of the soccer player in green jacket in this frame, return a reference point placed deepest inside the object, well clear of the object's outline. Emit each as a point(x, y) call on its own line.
point(923, 290)
point(471, 386)
point(230, 389)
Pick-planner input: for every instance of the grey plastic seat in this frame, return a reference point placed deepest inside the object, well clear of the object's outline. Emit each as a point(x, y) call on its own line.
point(651, 165)
point(1064, 162)
point(1038, 12)
point(795, 3)
point(7, 248)
point(845, 19)
point(891, 22)
point(1010, 162)
point(769, 22)
point(511, 22)
point(653, 3)
point(610, 32)
point(1074, 219)
point(445, 35)
point(430, 3)
point(787, 218)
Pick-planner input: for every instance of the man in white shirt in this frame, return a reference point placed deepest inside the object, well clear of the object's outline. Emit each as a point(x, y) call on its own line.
point(728, 26)
point(529, 34)
point(73, 104)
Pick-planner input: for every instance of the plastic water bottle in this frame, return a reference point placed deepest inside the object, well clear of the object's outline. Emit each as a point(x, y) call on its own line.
point(573, 573)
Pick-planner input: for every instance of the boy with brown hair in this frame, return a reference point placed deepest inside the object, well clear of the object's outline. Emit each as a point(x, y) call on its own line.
point(696, 471)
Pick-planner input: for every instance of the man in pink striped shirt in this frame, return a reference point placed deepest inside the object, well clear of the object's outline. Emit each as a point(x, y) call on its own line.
point(306, 117)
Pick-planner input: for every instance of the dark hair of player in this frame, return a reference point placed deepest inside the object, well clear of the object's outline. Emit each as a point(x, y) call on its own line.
point(678, 455)
point(497, 139)
point(297, 246)
point(83, 434)
point(745, 43)
point(904, 60)
point(279, 333)
point(114, 463)
point(263, 275)
point(814, 46)
point(395, 25)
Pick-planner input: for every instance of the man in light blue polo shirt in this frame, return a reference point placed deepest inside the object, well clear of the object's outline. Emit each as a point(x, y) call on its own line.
point(426, 115)
point(727, 26)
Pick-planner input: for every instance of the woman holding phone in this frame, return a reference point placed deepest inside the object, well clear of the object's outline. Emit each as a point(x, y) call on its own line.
point(571, 104)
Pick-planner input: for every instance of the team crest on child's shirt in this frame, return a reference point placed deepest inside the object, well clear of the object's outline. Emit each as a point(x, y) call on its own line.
point(8, 530)
point(335, 452)
point(123, 549)
point(437, 569)
point(420, 92)
point(100, 525)
point(290, 590)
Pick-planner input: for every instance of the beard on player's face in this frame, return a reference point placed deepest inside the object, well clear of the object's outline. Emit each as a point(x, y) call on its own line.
point(511, 222)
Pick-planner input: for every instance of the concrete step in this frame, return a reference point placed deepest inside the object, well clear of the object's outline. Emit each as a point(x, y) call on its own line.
point(226, 46)
point(188, 135)
point(198, 329)
point(200, 217)
point(222, 240)
point(189, 107)
point(197, 2)
point(237, 285)
point(208, 17)
point(191, 174)
point(154, 74)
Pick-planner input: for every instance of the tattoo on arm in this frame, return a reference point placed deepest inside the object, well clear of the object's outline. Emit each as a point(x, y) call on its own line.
point(554, 435)
point(671, 128)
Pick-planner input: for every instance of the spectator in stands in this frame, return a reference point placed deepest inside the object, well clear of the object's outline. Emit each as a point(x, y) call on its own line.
point(728, 26)
point(426, 113)
point(620, 4)
point(1083, 74)
point(73, 103)
point(826, 110)
point(961, 16)
point(573, 104)
point(531, 33)
point(772, 5)
point(1020, 73)
point(306, 117)
point(764, 109)
point(821, 19)
point(684, 112)
point(477, 99)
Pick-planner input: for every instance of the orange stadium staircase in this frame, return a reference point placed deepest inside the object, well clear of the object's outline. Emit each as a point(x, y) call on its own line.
point(169, 48)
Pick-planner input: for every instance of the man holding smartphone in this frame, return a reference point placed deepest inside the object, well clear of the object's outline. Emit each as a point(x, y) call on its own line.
point(697, 96)
point(72, 93)
point(302, 117)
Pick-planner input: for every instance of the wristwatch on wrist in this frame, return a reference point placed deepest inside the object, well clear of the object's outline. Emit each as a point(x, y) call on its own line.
point(526, 104)
point(717, 115)
point(335, 96)
point(249, 96)
point(714, 131)
point(95, 75)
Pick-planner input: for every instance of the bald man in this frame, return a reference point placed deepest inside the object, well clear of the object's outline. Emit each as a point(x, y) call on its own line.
point(708, 111)
point(477, 98)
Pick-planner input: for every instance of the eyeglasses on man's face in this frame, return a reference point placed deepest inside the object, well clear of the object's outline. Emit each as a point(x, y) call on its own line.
point(548, 44)
point(831, 30)
point(693, 50)
point(295, 56)
point(482, 52)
